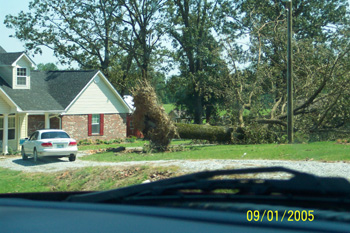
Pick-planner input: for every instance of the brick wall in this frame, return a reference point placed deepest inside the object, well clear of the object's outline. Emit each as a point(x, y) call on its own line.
point(54, 123)
point(36, 122)
point(77, 126)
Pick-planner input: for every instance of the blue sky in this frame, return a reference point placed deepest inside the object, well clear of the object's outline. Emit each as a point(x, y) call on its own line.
point(13, 7)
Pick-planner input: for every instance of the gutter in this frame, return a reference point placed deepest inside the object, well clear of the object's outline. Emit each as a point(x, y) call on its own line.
point(41, 111)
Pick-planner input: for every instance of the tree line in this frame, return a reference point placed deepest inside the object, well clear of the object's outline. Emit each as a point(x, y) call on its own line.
point(219, 60)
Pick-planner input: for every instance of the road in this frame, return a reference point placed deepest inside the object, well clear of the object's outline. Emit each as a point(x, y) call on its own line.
point(333, 169)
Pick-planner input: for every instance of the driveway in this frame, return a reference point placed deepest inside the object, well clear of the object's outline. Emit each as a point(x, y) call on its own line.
point(334, 169)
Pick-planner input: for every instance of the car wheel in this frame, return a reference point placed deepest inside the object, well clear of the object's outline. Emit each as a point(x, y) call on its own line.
point(35, 155)
point(72, 158)
point(24, 156)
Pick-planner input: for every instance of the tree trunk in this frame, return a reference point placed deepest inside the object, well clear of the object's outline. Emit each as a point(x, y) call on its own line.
point(198, 109)
point(208, 111)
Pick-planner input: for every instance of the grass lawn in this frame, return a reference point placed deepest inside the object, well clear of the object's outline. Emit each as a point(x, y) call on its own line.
point(169, 107)
point(322, 151)
point(83, 179)
point(137, 143)
point(103, 146)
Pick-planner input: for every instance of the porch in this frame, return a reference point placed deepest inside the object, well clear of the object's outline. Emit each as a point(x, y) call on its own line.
point(16, 126)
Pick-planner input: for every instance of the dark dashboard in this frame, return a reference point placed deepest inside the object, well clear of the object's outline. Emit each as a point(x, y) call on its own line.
point(40, 216)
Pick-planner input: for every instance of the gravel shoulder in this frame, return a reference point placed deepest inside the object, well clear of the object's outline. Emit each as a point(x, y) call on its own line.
point(331, 169)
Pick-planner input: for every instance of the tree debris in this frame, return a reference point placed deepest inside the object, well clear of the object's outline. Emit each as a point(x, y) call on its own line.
point(151, 118)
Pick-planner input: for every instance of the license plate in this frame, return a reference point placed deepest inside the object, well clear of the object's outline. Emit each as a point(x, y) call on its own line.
point(60, 146)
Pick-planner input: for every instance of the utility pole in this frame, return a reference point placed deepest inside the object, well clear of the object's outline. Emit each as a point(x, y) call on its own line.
point(290, 123)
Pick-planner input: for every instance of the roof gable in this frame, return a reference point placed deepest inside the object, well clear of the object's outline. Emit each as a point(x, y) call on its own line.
point(101, 97)
point(24, 57)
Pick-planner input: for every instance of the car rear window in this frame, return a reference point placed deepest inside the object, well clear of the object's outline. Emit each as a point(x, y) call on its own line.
point(54, 135)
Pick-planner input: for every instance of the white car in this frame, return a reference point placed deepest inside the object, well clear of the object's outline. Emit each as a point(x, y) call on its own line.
point(49, 142)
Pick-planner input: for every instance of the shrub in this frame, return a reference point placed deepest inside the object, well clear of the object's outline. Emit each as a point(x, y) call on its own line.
point(12, 152)
point(131, 139)
point(99, 141)
point(84, 142)
point(301, 137)
point(116, 140)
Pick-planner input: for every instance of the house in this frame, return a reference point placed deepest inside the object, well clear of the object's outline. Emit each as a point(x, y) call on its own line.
point(83, 103)
point(131, 130)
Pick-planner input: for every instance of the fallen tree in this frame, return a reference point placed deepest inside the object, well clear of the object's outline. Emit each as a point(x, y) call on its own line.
point(151, 118)
point(204, 132)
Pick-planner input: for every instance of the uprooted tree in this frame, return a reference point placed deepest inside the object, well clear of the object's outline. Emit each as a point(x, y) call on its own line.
point(151, 118)
point(256, 94)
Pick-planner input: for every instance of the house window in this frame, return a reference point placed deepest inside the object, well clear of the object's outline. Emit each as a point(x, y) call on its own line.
point(21, 76)
point(11, 128)
point(95, 124)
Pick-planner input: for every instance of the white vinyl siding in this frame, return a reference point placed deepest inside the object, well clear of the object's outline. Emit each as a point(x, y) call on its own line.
point(4, 106)
point(97, 98)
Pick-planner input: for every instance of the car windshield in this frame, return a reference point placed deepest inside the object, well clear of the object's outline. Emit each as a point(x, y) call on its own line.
point(148, 90)
point(57, 134)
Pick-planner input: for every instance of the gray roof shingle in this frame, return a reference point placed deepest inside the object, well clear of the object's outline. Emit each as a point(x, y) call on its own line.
point(9, 58)
point(50, 90)
point(2, 50)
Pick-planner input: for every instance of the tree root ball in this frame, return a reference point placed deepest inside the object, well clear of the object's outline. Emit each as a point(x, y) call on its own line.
point(151, 118)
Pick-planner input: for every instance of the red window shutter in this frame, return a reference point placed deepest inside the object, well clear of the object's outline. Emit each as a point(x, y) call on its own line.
point(101, 123)
point(89, 125)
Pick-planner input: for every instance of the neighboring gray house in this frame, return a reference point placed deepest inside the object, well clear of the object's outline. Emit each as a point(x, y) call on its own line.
point(83, 103)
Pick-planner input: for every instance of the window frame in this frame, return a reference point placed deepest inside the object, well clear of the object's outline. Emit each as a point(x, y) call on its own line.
point(21, 74)
point(12, 128)
point(95, 121)
point(101, 125)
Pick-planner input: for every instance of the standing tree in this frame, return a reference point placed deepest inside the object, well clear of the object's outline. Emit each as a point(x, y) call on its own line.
point(143, 30)
point(118, 37)
point(47, 67)
point(77, 31)
point(192, 26)
point(321, 67)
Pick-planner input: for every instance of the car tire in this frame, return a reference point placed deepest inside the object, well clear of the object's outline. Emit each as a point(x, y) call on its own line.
point(24, 156)
point(35, 155)
point(72, 158)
